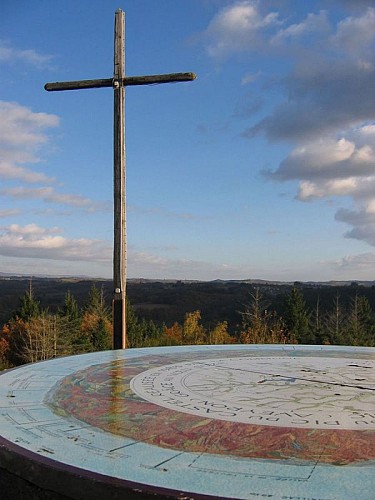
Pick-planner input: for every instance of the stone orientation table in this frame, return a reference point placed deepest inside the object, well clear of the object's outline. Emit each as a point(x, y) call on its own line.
point(240, 421)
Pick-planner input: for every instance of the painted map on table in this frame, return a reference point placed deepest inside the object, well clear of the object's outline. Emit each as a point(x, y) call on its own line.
point(302, 408)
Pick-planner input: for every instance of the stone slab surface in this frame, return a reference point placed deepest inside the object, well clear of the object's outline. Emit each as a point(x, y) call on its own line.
point(280, 422)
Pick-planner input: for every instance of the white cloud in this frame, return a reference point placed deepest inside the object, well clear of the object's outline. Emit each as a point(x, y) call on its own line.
point(53, 212)
point(242, 27)
point(356, 34)
point(314, 23)
point(337, 187)
point(31, 229)
point(330, 84)
point(50, 195)
point(10, 54)
point(351, 155)
point(370, 209)
point(362, 222)
point(323, 97)
point(33, 241)
point(249, 78)
point(362, 265)
point(10, 212)
point(315, 159)
point(236, 28)
point(22, 133)
point(327, 111)
point(9, 170)
point(19, 126)
point(343, 167)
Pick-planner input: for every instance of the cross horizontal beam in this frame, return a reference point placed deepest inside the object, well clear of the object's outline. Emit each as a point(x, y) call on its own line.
point(123, 82)
point(80, 84)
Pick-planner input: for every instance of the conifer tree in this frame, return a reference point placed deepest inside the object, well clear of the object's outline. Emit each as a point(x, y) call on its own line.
point(142, 333)
point(70, 309)
point(70, 321)
point(297, 316)
point(100, 337)
point(29, 307)
point(360, 327)
point(335, 324)
point(96, 317)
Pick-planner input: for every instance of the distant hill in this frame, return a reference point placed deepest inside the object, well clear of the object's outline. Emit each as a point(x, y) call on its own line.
point(167, 301)
point(249, 281)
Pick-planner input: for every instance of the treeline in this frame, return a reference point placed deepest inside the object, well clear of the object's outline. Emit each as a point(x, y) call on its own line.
point(342, 323)
point(34, 333)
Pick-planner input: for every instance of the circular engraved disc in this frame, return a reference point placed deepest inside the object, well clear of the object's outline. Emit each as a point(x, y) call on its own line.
point(308, 392)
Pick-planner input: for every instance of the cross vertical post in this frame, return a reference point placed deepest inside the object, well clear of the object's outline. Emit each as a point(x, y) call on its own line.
point(118, 83)
point(119, 188)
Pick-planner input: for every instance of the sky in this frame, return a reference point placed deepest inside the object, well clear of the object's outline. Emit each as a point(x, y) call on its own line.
point(262, 168)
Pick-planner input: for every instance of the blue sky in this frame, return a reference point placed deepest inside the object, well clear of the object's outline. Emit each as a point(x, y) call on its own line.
point(264, 167)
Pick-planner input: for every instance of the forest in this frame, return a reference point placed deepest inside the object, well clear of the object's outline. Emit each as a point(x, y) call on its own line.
point(44, 318)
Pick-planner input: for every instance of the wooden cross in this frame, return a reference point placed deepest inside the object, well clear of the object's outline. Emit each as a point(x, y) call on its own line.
point(118, 83)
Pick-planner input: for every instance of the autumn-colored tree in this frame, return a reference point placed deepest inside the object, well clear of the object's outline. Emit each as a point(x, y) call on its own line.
point(92, 330)
point(173, 334)
point(193, 333)
point(41, 338)
point(4, 347)
point(260, 326)
point(14, 332)
point(254, 312)
point(273, 333)
point(190, 333)
point(220, 335)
